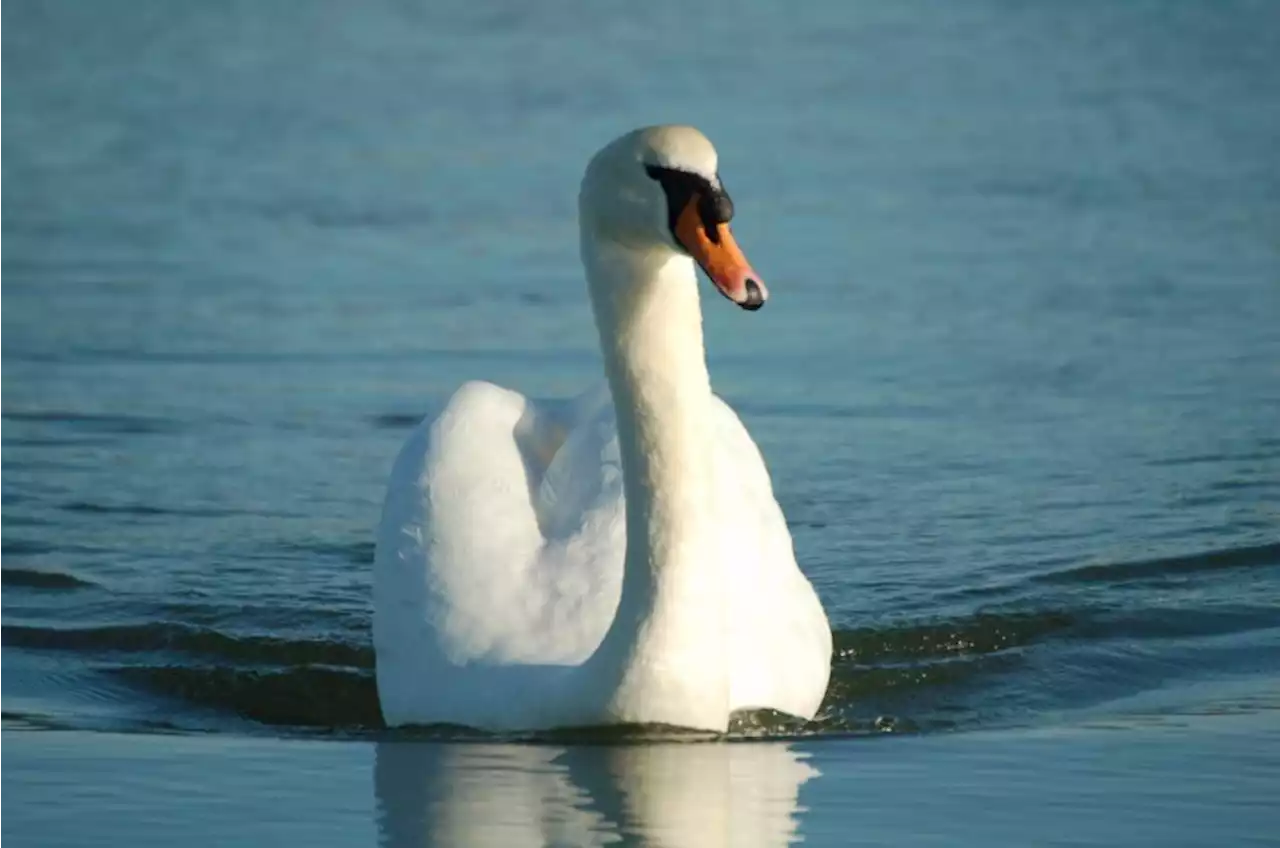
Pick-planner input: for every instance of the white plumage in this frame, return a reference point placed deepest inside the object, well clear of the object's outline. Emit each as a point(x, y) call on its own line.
point(507, 593)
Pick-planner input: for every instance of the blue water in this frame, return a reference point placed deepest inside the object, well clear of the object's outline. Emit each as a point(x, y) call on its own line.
point(1018, 382)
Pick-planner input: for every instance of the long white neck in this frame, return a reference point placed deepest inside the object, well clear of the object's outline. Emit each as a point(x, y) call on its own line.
point(667, 641)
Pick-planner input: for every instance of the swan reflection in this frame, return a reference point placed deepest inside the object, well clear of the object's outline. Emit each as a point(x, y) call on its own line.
point(667, 794)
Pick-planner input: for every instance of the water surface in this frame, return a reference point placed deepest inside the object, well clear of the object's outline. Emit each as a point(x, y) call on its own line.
point(1017, 385)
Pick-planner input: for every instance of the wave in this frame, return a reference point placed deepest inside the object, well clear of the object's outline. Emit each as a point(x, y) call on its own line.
point(309, 667)
point(32, 579)
point(199, 642)
point(978, 634)
point(95, 508)
point(983, 633)
point(25, 547)
point(359, 553)
point(1254, 556)
point(304, 697)
point(97, 422)
point(311, 683)
point(396, 420)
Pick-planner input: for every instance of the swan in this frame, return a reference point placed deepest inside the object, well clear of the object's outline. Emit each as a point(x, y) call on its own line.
point(615, 558)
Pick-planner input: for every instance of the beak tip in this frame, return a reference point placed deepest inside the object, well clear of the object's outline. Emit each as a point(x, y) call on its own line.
point(755, 296)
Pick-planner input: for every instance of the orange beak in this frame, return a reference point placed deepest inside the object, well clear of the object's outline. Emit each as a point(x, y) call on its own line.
point(720, 257)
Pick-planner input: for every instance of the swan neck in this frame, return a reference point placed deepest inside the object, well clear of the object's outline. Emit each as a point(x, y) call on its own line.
point(669, 633)
point(651, 335)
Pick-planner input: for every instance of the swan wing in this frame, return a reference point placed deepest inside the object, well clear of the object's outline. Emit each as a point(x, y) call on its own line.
point(499, 553)
point(781, 641)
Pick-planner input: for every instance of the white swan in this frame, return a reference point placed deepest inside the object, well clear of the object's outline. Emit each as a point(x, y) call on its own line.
point(589, 562)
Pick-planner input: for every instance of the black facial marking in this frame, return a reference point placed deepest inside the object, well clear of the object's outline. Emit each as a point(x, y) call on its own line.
point(714, 205)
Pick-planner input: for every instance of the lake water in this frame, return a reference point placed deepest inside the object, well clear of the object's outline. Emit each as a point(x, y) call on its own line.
point(1018, 385)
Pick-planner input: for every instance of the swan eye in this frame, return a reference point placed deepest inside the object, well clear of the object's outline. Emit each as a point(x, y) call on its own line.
point(714, 205)
point(716, 208)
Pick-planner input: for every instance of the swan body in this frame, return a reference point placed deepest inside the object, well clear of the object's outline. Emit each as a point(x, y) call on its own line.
point(614, 558)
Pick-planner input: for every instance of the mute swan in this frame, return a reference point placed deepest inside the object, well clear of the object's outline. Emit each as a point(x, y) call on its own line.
point(594, 562)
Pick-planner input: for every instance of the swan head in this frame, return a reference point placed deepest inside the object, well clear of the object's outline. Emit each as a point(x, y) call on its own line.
point(658, 189)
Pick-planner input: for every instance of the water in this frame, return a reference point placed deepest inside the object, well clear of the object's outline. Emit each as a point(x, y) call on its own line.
point(1018, 386)
point(1196, 781)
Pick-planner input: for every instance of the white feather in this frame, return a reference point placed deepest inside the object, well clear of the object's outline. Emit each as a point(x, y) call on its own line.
point(506, 592)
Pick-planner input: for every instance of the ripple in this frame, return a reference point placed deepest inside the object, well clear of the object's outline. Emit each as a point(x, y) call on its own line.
point(1143, 626)
point(979, 634)
point(1213, 458)
point(95, 508)
point(360, 553)
point(97, 422)
point(200, 642)
point(25, 547)
point(396, 420)
point(303, 697)
point(988, 668)
point(1254, 556)
point(26, 578)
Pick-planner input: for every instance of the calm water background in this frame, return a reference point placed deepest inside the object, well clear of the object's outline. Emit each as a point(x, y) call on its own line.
point(1018, 387)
